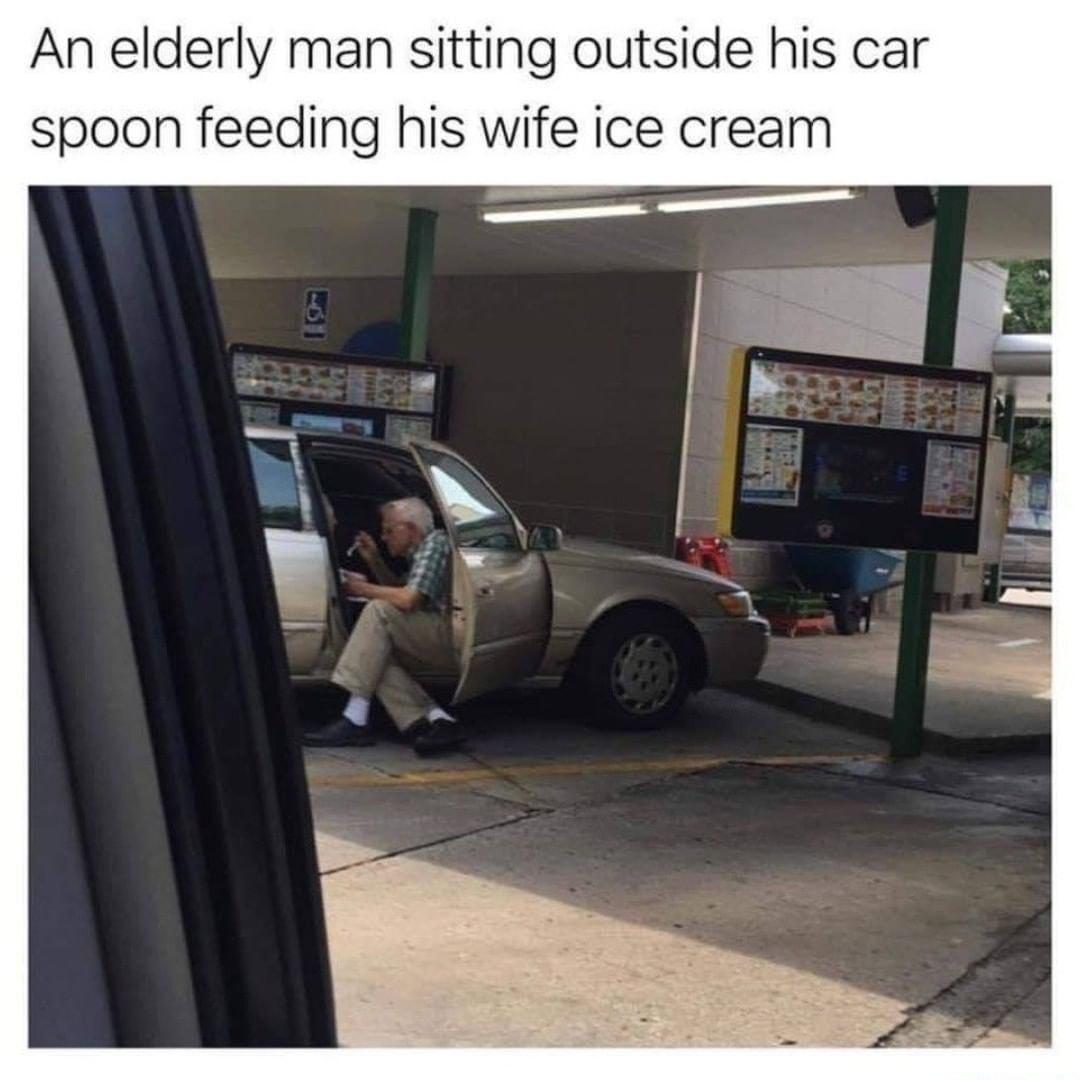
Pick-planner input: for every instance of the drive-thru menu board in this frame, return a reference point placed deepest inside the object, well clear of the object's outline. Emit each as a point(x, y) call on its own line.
point(899, 402)
point(772, 465)
point(951, 482)
point(372, 396)
point(854, 452)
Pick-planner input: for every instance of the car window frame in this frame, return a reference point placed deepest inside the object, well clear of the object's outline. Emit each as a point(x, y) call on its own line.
point(419, 446)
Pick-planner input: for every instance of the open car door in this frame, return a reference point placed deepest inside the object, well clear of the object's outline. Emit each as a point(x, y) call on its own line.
point(501, 591)
point(305, 578)
point(174, 890)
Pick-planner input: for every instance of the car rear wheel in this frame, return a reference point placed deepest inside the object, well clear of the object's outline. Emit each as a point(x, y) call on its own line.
point(636, 670)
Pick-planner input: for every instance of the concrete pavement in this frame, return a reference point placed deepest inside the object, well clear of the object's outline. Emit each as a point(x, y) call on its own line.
point(989, 677)
point(749, 878)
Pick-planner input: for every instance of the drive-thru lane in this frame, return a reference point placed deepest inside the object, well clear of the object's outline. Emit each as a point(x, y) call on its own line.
point(747, 879)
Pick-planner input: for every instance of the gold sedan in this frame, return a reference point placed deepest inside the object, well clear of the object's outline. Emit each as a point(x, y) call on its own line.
point(635, 632)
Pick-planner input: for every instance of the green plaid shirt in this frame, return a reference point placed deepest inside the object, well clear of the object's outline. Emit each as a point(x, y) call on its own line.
point(429, 570)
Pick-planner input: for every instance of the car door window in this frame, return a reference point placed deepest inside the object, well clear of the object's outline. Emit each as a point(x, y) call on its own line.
point(478, 517)
point(275, 482)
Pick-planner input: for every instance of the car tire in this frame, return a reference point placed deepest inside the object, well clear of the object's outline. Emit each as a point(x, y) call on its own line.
point(636, 670)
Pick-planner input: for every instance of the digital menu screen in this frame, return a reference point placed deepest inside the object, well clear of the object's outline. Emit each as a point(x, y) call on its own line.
point(849, 472)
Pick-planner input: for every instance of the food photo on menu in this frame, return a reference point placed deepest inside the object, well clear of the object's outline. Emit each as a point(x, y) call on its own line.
point(831, 396)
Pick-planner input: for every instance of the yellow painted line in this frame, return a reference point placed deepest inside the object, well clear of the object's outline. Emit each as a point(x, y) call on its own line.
point(431, 777)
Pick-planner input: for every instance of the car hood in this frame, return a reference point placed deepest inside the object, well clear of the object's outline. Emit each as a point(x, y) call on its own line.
point(578, 551)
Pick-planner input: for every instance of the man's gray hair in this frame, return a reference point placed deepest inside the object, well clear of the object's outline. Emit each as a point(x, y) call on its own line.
point(414, 510)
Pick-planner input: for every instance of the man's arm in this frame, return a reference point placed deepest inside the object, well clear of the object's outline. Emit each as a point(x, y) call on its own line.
point(401, 596)
point(383, 574)
point(370, 553)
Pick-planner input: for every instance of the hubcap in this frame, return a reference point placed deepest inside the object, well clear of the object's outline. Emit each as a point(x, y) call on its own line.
point(644, 673)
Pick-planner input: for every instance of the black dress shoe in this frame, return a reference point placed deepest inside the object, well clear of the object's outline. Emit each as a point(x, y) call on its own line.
point(341, 732)
point(435, 736)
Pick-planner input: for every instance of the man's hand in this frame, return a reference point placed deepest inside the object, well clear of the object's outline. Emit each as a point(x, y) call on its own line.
point(355, 584)
point(402, 597)
point(366, 545)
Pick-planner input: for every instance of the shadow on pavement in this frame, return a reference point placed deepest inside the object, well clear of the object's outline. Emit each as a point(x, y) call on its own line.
point(808, 905)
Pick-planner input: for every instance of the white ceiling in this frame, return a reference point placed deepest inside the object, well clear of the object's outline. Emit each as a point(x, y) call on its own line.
point(267, 232)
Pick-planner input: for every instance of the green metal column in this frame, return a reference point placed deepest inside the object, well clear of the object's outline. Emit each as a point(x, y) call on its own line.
point(416, 296)
point(909, 704)
point(1008, 423)
point(993, 587)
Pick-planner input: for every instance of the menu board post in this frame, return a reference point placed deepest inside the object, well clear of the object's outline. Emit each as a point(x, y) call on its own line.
point(943, 303)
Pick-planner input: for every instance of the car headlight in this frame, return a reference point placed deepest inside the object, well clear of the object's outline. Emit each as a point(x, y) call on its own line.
point(738, 604)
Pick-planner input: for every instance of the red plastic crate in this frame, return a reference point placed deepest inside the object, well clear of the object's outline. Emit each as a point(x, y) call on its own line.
point(790, 625)
point(710, 552)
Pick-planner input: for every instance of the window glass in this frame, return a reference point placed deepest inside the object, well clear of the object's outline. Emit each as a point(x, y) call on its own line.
point(1029, 502)
point(275, 482)
point(478, 516)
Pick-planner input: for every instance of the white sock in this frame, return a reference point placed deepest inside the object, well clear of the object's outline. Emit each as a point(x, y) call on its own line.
point(356, 711)
point(435, 713)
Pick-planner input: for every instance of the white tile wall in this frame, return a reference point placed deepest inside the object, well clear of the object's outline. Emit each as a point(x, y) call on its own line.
point(739, 313)
point(874, 311)
point(897, 315)
point(883, 347)
point(982, 290)
point(908, 279)
point(974, 344)
point(764, 281)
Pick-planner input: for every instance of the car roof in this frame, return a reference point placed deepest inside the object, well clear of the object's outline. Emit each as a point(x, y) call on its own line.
point(274, 431)
point(268, 431)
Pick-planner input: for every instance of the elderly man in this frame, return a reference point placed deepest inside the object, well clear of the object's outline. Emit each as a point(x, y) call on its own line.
point(401, 624)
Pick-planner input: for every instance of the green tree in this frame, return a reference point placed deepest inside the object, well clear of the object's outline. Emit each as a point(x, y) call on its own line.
point(1031, 445)
point(1027, 311)
point(1027, 297)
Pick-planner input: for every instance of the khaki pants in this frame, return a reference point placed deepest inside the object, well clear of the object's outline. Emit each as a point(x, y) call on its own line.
point(383, 643)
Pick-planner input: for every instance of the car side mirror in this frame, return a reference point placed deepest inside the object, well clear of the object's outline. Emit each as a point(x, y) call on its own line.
point(545, 538)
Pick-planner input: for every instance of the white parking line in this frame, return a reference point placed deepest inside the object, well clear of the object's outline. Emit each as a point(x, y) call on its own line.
point(1018, 642)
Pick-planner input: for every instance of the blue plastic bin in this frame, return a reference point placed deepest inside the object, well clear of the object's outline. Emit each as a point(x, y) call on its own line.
point(836, 570)
point(847, 576)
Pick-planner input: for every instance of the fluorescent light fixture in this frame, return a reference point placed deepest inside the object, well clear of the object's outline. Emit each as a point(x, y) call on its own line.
point(734, 201)
point(675, 202)
point(505, 215)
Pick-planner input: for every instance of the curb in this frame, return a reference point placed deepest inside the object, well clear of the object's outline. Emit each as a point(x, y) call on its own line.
point(865, 722)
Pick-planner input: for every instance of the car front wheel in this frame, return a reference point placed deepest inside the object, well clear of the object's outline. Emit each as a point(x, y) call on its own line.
point(636, 670)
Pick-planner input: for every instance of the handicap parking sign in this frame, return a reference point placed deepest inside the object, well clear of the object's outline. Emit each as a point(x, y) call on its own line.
point(316, 315)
